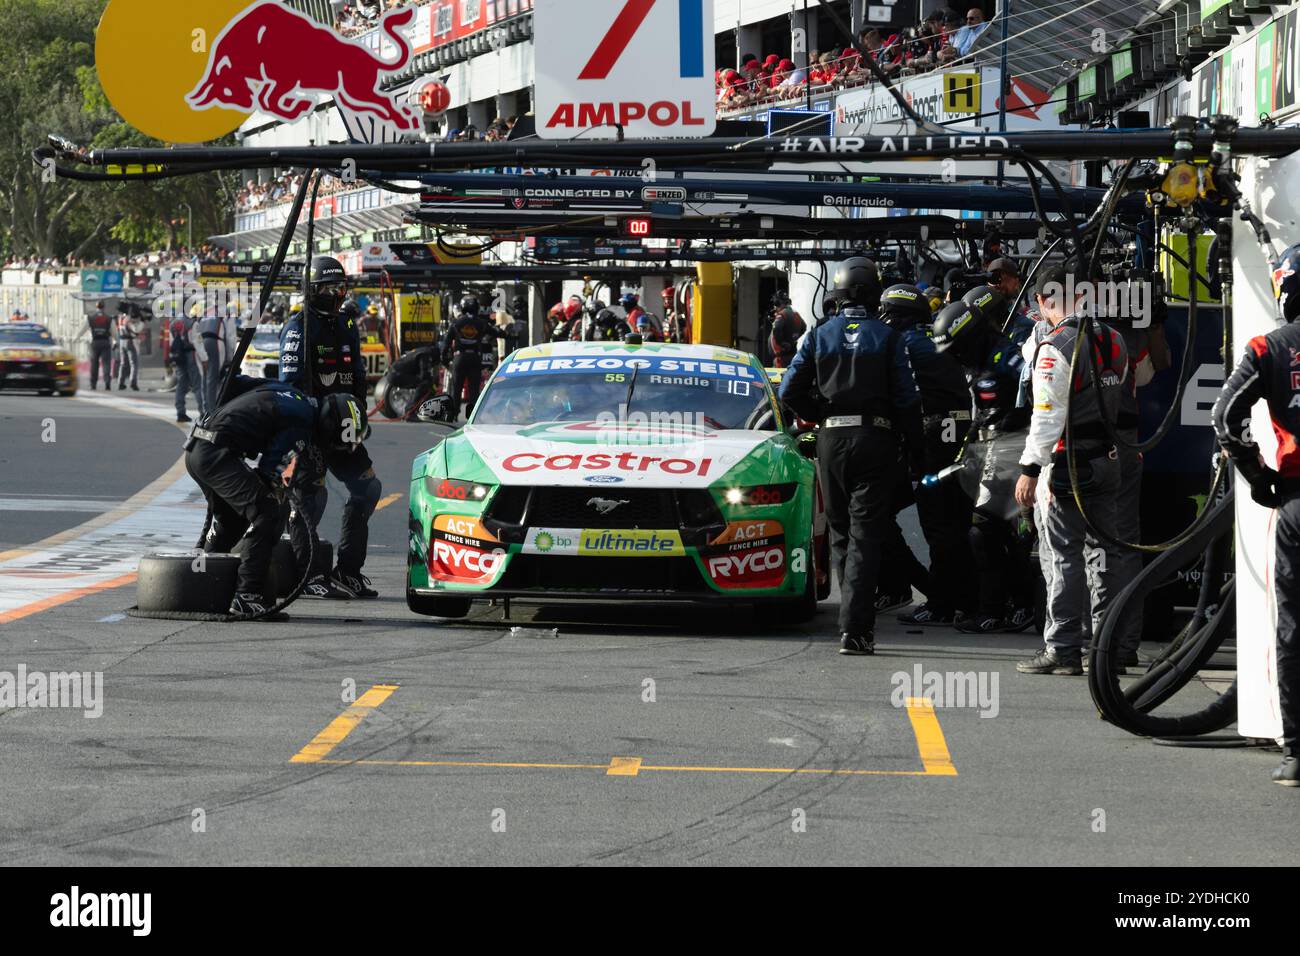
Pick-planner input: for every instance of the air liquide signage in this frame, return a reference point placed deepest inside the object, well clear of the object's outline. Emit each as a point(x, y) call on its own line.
point(644, 65)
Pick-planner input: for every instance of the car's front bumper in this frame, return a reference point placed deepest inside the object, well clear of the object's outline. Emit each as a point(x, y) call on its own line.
point(37, 377)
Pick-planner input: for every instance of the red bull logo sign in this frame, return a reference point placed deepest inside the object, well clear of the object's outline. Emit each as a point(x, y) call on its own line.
point(190, 73)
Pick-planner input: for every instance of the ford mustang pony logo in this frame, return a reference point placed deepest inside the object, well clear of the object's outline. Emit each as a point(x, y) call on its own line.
point(606, 506)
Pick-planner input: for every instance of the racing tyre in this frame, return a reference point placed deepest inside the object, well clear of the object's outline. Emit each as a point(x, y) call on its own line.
point(181, 582)
point(437, 606)
point(823, 561)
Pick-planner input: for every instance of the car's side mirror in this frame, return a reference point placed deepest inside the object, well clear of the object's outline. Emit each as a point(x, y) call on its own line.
point(436, 410)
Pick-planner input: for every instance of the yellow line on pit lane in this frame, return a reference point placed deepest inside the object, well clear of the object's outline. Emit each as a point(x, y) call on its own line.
point(342, 725)
point(930, 743)
point(929, 738)
point(387, 500)
point(616, 769)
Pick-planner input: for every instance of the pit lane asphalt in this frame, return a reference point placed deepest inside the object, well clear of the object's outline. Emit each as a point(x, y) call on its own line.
point(205, 717)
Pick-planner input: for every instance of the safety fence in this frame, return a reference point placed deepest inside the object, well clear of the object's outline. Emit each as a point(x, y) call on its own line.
point(55, 308)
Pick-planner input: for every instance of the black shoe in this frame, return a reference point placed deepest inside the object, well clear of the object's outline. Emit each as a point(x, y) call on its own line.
point(135, 388)
point(892, 602)
point(858, 645)
point(926, 616)
point(184, 418)
point(1288, 772)
point(984, 624)
point(322, 587)
point(247, 603)
point(1020, 618)
point(354, 585)
point(1047, 662)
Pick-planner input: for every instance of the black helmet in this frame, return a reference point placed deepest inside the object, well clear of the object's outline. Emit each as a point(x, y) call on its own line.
point(470, 305)
point(858, 282)
point(328, 283)
point(904, 305)
point(350, 310)
point(990, 303)
point(342, 424)
point(961, 328)
point(519, 302)
point(1286, 282)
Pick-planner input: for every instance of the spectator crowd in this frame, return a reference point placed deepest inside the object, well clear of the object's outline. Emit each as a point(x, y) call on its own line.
point(941, 40)
point(353, 19)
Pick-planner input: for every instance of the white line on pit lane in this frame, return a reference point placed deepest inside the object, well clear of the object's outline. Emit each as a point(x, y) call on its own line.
point(36, 504)
point(170, 522)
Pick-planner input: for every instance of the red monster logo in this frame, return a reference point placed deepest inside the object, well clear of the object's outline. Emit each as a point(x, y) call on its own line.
point(270, 55)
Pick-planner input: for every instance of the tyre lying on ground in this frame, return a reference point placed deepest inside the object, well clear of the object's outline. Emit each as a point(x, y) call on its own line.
point(175, 582)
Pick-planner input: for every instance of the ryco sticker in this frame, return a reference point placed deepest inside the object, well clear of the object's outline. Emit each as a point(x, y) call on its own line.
point(463, 565)
point(747, 569)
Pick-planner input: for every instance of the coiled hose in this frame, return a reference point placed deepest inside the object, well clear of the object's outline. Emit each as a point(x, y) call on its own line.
point(1130, 707)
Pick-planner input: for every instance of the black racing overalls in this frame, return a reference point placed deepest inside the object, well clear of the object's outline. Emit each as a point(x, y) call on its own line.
point(1270, 370)
point(851, 376)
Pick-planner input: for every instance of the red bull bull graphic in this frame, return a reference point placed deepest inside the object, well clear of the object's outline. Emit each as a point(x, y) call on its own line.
point(193, 72)
point(273, 59)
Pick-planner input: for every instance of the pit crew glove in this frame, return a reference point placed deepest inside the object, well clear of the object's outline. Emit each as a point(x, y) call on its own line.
point(1263, 481)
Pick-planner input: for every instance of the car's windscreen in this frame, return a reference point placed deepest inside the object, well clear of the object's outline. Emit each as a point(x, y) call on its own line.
point(268, 341)
point(710, 394)
point(10, 336)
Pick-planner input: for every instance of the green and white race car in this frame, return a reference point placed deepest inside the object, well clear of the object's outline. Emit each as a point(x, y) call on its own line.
point(597, 471)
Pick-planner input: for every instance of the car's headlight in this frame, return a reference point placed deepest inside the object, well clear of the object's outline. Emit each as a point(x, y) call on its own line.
point(453, 490)
point(758, 496)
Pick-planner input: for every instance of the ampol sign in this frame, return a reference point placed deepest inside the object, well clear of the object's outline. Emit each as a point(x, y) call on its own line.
point(644, 65)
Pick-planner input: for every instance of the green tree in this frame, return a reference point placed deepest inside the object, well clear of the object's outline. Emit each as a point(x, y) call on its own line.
point(50, 86)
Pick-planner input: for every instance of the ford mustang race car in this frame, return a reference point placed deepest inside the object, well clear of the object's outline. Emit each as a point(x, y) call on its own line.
point(597, 471)
point(263, 357)
point(31, 359)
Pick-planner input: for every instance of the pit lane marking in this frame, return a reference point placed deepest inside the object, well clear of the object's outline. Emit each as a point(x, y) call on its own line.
point(27, 610)
point(929, 738)
point(930, 743)
point(388, 500)
point(342, 725)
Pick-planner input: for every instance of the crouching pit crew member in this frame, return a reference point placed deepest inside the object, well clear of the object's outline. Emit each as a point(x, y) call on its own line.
point(335, 367)
point(1079, 577)
point(283, 427)
point(1001, 552)
point(852, 377)
point(1267, 373)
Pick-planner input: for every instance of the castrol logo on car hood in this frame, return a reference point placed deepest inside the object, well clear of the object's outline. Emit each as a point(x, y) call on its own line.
point(679, 460)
